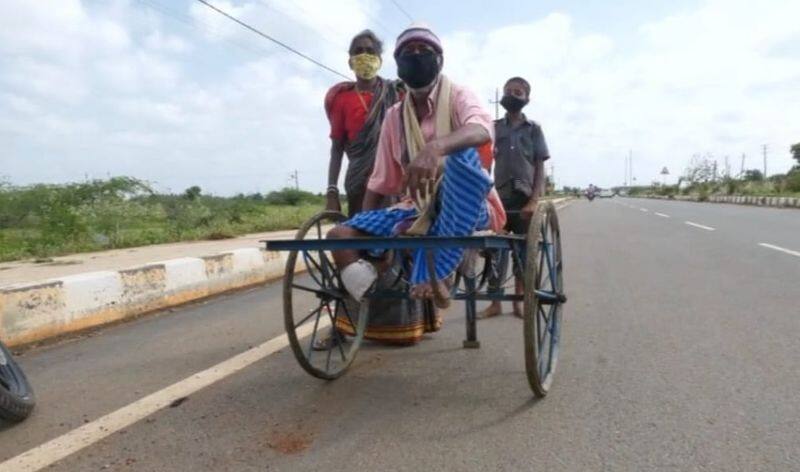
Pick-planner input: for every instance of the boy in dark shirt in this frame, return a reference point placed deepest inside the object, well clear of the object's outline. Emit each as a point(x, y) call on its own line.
point(520, 152)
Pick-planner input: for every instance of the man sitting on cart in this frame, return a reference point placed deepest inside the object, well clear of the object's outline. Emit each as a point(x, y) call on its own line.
point(427, 157)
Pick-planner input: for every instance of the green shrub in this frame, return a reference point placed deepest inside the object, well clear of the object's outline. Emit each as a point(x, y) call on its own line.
point(290, 196)
point(703, 192)
point(666, 190)
point(753, 175)
point(793, 180)
point(49, 220)
point(731, 186)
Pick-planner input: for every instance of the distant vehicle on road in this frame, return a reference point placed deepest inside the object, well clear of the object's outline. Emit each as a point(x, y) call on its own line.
point(605, 193)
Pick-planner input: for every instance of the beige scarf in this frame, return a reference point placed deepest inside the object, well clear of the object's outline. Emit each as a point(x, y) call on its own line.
point(415, 141)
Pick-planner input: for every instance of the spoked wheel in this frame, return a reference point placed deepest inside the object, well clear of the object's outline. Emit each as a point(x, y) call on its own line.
point(544, 298)
point(16, 395)
point(314, 301)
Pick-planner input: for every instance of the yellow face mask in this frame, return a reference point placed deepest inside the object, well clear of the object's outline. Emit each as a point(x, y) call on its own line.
point(365, 65)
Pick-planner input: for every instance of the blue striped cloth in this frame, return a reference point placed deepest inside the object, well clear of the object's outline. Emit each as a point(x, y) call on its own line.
point(461, 203)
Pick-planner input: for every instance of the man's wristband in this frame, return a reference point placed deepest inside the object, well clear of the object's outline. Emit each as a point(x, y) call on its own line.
point(333, 189)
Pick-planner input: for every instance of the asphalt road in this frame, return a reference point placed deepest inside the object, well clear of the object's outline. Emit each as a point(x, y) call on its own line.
point(679, 352)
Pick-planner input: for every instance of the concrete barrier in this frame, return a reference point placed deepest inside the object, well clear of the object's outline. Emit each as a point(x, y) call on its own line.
point(775, 202)
point(36, 311)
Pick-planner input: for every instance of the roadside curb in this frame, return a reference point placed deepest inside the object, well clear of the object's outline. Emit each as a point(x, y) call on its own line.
point(36, 311)
point(774, 202)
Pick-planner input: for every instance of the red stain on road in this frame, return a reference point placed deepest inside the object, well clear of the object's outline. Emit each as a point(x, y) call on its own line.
point(290, 443)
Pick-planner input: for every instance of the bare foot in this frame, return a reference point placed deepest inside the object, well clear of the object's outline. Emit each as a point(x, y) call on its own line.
point(518, 309)
point(421, 291)
point(490, 311)
point(441, 293)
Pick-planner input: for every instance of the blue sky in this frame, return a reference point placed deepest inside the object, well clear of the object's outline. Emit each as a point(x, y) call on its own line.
point(167, 91)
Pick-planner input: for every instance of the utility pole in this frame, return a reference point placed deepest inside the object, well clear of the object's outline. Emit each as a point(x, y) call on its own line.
point(625, 178)
point(630, 165)
point(496, 103)
point(628, 171)
point(741, 173)
point(296, 178)
point(764, 149)
point(727, 168)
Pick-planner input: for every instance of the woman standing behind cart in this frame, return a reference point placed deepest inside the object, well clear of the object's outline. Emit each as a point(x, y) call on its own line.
point(355, 111)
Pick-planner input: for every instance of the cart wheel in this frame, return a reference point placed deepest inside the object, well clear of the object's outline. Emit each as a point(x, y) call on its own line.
point(544, 297)
point(314, 300)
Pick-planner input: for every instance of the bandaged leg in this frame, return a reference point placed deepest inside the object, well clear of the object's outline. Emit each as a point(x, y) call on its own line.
point(358, 277)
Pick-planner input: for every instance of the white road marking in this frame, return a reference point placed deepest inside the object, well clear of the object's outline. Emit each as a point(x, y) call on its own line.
point(662, 215)
point(781, 249)
point(644, 210)
point(69, 443)
point(697, 225)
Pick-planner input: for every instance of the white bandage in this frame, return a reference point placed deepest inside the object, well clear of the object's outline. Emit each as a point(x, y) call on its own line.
point(358, 277)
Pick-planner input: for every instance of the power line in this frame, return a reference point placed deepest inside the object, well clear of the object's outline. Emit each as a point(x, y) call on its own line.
point(272, 7)
point(276, 41)
point(380, 24)
point(340, 35)
point(403, 10)
point(206, 27)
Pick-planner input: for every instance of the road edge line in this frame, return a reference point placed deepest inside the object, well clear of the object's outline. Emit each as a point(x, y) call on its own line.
point(780, 249)
point(698, 225)
point(74, 441)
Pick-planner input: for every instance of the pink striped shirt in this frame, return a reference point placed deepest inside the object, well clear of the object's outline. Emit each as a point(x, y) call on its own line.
point(387, 175)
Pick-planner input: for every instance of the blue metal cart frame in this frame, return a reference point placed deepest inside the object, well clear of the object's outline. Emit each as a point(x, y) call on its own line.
point(537, 260)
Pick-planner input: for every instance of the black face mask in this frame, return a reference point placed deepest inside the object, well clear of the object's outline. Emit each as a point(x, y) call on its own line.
point(417, 70)
point(512, 103)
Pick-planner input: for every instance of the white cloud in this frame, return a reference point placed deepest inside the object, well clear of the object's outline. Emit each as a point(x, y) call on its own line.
point(206, 103)
point(161, 42)
point(702, 81)
point(121, 88)
point(19, 104)
point(37, 29)
point(217, 26)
